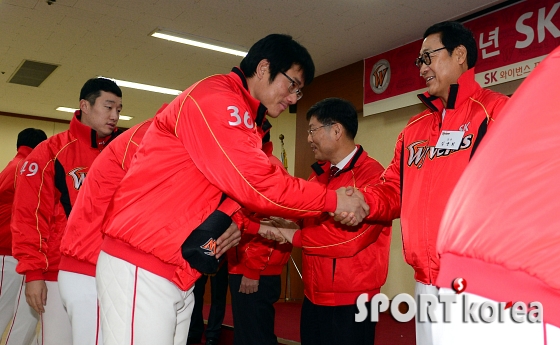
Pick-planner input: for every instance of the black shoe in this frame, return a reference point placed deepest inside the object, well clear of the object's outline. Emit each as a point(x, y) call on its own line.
point(212, 341)
point(192, 341)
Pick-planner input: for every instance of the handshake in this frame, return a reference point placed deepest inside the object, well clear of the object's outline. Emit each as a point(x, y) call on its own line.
point(351, 209)
point(204, 247)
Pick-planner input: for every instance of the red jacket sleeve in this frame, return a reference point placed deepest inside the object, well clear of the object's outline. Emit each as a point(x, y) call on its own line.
point(238, 166)
point(333, 240)
point(256, 256)
point(384, 196)
point(82, 237)
point(325, 237)
point(34, 207)
point(244, 223)
point(7, 191)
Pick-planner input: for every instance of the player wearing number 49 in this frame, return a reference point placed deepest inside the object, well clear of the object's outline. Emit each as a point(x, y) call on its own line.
point(47, 187)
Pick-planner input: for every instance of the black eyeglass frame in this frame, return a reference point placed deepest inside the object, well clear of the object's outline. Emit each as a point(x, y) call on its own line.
point(425, 57)
point(292, 87)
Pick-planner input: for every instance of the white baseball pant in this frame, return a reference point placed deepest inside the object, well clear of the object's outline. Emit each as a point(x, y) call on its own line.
point(13, 305)
point(79, 297)
point(139, 307)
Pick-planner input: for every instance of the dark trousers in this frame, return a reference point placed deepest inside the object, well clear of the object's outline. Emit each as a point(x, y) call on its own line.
point(324, 325)
point(219, 286)
point(253, 314)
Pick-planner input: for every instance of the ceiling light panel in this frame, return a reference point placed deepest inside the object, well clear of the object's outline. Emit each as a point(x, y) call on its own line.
point(200, 42)
point(145, 87)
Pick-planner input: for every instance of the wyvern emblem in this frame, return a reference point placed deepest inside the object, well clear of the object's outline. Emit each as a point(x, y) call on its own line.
point(417, 154)
point(380, 76)
point(209, 247)
point(78, 177)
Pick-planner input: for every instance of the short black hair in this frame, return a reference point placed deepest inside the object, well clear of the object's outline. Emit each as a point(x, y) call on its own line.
point(30, 137)
point(336, 110)
point(454, 34)
point(281, 51)
point(93, 87)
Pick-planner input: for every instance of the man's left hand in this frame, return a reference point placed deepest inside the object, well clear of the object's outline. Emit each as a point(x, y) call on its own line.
point(230, 238)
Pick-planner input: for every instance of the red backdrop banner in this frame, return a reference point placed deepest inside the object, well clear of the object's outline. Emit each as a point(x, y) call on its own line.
point(511, 41)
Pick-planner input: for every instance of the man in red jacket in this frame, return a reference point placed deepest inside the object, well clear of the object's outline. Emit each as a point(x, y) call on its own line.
point(82, 237)
point(203, 145)
point(46, 191)
point(255, 267)
point(11, 282)
point(426, 166)
point(340, 262)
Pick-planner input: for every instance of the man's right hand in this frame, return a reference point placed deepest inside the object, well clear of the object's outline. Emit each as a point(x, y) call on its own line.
point(350, 206)
point(270, 232)
point(36, 295)
point(248, 285)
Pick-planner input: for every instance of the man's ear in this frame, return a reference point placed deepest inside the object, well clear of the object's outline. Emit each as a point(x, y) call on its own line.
point(84, 106)
point(460, 53)
point(262, 68)
point(338, 130)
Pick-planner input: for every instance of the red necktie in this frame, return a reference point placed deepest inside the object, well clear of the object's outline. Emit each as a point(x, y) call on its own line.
point(334, 171)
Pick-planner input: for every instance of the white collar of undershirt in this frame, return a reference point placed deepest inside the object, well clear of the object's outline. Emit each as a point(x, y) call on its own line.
point(346, 159)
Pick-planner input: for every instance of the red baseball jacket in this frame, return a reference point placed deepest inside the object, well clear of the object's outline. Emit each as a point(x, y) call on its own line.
point(47, 187)
point(254, 255)
point(8, 178)
point(203, 144)
point(423, 176)
point(340, 263)
point(82, 238)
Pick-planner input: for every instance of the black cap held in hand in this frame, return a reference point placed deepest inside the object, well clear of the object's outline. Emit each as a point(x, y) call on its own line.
point(199, 249)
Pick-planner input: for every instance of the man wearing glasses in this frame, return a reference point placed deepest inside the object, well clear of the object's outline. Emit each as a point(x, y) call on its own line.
point(203, 146)
point(340, 264)
point(433, 150)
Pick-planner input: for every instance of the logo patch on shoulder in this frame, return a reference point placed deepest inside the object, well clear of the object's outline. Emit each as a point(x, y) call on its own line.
point(209, 247)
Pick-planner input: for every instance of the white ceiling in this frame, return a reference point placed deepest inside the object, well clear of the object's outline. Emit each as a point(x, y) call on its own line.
point(88, 38)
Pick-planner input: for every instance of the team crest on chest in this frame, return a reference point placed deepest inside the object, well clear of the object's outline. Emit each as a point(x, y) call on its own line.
point(418, 151)
point(78, 177)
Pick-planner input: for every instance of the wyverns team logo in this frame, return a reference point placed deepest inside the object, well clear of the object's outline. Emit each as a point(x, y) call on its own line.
point(380, 76)
point(209, 247)
point(78, 176)
point(418, 151)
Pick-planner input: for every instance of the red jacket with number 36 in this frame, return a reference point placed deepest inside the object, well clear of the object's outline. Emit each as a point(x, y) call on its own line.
point(203, 144)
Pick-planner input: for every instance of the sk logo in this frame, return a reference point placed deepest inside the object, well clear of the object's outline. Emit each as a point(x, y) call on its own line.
point(209, 247)
point(380, 76)
point(78, 177)
point(465, 127)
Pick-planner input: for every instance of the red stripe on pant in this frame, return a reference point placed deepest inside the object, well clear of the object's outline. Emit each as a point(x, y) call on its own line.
point(133, 306)
point(16, 309)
